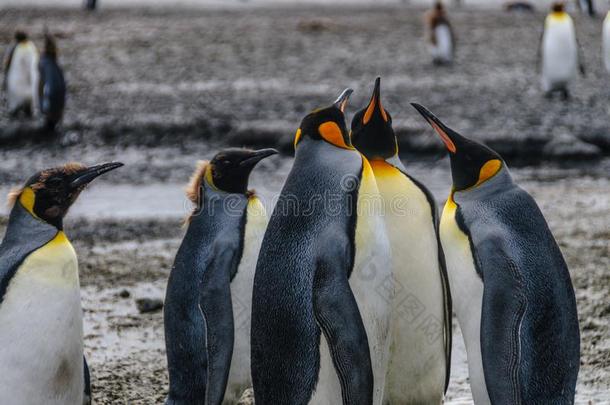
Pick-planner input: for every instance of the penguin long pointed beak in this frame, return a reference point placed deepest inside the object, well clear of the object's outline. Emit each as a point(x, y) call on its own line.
point(257, 156)
point(341, 102)
point(441, 129)
point(375, 104)
point(87, 175)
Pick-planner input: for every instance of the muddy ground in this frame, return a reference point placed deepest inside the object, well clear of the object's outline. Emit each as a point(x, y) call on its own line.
point(160, 89)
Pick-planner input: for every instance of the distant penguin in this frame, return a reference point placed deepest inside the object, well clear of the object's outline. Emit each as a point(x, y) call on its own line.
point(420, 353)
point(323, 268)
point(208, 300)
point(510, 285)
point(21, 75)
point(52, 86)
point(41, 325)
point(587, 6)
point(441, 40)
point(606, 42)
point(559, 52)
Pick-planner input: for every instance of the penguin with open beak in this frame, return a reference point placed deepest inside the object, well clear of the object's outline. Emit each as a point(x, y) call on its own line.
point(510, 285)
point(41, 333)
point(420, 353)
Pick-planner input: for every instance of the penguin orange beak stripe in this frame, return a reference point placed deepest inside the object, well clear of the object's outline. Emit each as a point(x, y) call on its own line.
point(375, 103)
point(438, 126)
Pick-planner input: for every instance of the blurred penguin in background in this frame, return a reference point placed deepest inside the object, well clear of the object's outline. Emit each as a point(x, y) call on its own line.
point(20, 75)
point(606, 42)
point(559, 52)
point(52, 86)
point(441, 40)
point(586, 6)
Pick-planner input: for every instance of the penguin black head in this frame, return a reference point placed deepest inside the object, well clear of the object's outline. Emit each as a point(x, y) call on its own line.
point(471, 162)
point(439, 7)
point(327, 124)
point(49, 193)
point(20, 36)
point(558, 7)
point(50, 48)
point(228, 171)
point(372, 132)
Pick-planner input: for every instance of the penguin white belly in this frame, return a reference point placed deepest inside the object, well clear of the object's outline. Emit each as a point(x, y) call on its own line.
point(41, 339)
point(417, 366)
point(22, 76)
point(559, 53)
point(241, 295)
point(443, 49)
point(371, 284)
point(467, 294)
point(606, 42)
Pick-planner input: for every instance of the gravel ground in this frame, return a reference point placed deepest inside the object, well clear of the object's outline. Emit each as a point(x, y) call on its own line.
point(160, 89)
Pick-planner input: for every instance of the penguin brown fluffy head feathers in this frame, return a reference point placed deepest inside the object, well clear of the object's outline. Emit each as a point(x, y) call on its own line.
point(372, 132)
point(327, 124)
point(472, 163)
point(50, 47)
point(558, 7)
point(50, 193)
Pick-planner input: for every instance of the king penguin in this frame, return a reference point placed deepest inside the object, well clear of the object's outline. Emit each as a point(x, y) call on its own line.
point(510, 285)
point(21, 75)
point(441, 39)
point(420, 352)
point(209, 292)
point(41, 338)
point(606, 42)
point(52, 86)
point(559, 52)
point(323, 268)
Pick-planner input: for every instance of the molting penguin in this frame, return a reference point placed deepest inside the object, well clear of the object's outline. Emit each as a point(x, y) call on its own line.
point(559, 52)
point(41, 338)
point(606, 42)
point(208, 301)
point(441, 40)
point(420, 352)
point(510, 285)
point(323, 267)
point(21, 75)
point(52, 87)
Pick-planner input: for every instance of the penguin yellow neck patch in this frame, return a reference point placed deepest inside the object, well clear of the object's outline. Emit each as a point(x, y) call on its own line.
point(331, 133)
point(558, 16)
point(27, 199)
point(297, 138)
point(209, 178)
point(489, 169)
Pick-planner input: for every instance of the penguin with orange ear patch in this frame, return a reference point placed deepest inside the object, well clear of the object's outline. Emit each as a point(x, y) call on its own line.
point(510, 285)
point(322, 290)
point(208, 298)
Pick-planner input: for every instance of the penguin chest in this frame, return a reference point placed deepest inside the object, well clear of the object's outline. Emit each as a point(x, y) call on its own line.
point(606, 42)
point(41, 339)
point(22, 73)
point(241, 296)
point(417, 352)
point(371, 277)
point(467, 294)
point(443, 48)
point(559, 51)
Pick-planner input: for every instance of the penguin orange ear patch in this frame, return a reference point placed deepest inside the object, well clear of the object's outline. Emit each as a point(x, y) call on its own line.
point(331, 133)
point(489, 169)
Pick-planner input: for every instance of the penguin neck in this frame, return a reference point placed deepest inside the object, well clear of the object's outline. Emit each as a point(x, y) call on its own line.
point(499, 183)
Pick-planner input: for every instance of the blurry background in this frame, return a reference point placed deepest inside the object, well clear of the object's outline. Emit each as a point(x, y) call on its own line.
point(162, 84)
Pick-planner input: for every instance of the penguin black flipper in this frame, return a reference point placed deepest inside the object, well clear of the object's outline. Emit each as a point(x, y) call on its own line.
point(522, 333)
point(24, 234)
point(217, 309)
point(87, 396)
point(337, 314)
